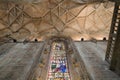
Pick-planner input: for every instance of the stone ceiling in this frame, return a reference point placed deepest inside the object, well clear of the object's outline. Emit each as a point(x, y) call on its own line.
point(46, 18)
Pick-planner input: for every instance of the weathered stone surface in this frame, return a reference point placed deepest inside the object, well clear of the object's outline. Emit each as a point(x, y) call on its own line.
point(18, 60)
point(93, 55)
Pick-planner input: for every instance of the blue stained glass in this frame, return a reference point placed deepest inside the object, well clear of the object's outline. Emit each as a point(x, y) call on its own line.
point(63, 68)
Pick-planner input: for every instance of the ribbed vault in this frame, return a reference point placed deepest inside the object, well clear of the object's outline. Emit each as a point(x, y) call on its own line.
point(45, 18)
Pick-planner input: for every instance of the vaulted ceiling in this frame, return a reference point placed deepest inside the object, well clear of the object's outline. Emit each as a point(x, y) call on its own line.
point(29, 19)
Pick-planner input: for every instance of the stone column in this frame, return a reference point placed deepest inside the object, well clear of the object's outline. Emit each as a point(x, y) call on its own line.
point(114, 49)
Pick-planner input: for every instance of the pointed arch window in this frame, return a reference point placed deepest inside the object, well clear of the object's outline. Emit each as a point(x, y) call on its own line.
point(58, 64)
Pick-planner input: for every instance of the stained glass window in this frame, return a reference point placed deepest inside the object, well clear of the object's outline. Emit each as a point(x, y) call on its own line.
point(58, 65)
